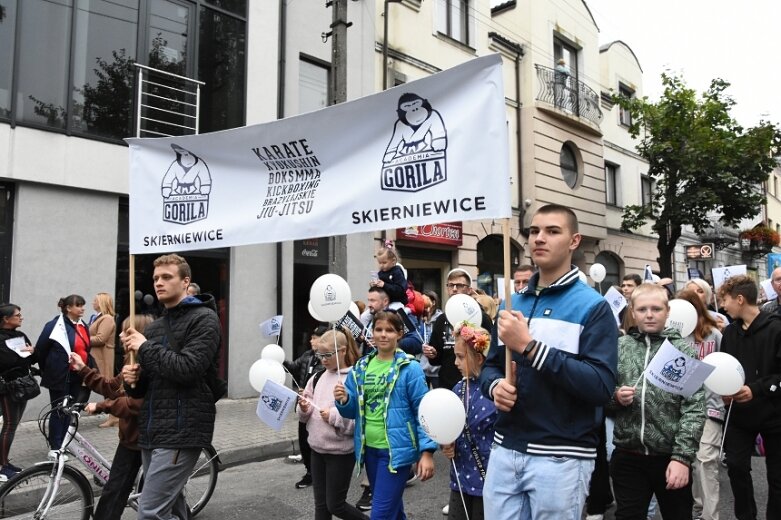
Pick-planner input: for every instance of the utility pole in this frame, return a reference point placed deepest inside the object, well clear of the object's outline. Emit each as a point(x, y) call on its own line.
point(338, 94)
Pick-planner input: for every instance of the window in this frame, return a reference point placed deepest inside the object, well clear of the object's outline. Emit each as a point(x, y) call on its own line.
point(7, 17)
point(611, 184)
point(7, 192)
point(72, 69)
point(646, 190)
point(312, 85)
point(775, 186)
point(624, 116)
point(569, 164)
point(456, 20)
point(568, 53)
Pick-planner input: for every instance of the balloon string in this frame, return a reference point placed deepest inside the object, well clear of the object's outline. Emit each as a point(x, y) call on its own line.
point(724, 435)
point(336, 355)
point(300, 389)
point(460, 491)
point(292, 377)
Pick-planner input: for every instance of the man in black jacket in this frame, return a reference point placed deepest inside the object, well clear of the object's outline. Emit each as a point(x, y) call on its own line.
point(439, 349)
point(754, 338)
point(177, 417)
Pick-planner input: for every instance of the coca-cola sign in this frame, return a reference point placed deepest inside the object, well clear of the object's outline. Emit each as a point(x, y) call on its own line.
point(449, 233)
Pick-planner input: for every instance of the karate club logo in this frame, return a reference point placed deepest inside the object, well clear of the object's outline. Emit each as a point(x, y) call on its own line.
point(415, 158)
point(274, 403)
point(674, 369)
point(185, 188)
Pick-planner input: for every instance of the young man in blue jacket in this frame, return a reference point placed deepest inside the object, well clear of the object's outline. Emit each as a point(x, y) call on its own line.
point(563, 338)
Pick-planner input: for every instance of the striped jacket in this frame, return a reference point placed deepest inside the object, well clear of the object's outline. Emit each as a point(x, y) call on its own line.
point(562, 391)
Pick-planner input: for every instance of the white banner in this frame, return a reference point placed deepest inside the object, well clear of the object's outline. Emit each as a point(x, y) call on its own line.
point(275, 403)
point(272, 326)
point(616, 301)
point(675, 372)
point(767, 286)
point(722, 273)
point(433, 150)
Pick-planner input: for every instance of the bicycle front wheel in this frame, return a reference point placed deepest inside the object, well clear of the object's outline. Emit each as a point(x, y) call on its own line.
point(200, 486)
point(25, 495)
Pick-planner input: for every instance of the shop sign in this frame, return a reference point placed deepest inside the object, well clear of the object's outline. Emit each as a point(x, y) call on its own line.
point(449, 234)
point(700, 251)
point(311, 251)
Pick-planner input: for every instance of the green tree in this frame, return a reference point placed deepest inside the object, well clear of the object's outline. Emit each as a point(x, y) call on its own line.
point(700, 161)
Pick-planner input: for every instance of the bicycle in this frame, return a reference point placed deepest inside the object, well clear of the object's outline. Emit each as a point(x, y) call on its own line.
point(53, 490)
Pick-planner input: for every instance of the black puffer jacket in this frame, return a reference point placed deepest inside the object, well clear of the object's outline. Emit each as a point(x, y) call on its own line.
point(304, 367)
point(178, 409)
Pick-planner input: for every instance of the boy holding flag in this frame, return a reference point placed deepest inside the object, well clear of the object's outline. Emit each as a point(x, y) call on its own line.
point(656, 433)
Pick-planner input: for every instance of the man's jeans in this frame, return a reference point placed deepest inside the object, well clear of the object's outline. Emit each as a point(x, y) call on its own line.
point(165, 473)
point(539, 487)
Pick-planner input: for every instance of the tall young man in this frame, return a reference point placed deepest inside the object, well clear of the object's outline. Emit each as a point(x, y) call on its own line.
point(754, 338)
point(177, 418)
point(563, 339)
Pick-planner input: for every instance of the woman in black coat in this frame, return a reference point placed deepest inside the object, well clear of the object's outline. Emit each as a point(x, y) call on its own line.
point(16, 357)
point(62, 335)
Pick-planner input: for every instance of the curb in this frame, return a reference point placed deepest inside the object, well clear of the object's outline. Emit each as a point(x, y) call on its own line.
point(249, 454)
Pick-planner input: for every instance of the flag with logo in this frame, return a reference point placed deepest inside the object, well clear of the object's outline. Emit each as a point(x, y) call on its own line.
point(430, 151)
point(275, 404)
point(720, 274)
point(60, 334)
point(616, 301)
point(272, 326)
point(649, 275)
point(675, 372)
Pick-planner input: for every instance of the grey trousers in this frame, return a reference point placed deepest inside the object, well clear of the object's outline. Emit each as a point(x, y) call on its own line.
point(165, 473)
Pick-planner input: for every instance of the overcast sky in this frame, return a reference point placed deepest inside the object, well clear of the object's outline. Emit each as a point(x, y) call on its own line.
point(702, 40)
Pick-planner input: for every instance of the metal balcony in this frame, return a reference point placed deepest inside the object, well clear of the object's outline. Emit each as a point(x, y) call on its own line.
point(568, 94)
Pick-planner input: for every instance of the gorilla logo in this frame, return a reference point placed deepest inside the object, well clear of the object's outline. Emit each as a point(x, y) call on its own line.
point(185, 188)
point(415, 156)
point(675, 369)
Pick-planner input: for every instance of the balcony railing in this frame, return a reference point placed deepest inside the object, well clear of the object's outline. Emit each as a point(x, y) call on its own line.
point(167, 104)
point(568, 94)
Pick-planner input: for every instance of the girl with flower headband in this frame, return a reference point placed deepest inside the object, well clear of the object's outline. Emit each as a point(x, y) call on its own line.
point(471, 450)
point(390, 277)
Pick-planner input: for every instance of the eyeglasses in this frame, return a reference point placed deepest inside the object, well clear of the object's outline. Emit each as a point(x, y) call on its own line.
point(456, 286)
point(324, 355)
point(17, 315)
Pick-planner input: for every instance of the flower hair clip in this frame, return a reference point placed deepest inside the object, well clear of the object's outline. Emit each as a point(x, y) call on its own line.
point(388, 244)
point(478, 341)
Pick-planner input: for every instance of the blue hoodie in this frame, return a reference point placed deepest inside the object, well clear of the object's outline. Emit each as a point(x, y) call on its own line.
point(406, 388)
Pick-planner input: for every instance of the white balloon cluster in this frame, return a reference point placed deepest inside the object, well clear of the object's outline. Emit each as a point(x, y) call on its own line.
point(269, 366)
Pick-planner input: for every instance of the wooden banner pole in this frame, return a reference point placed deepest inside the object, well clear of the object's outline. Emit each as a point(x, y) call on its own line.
point(508, 280)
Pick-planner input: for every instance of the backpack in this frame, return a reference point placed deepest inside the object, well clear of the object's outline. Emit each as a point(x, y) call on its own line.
point(414, 300)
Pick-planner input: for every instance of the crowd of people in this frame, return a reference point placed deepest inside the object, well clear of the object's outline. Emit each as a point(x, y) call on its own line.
point(159, 396)
point(571, 427)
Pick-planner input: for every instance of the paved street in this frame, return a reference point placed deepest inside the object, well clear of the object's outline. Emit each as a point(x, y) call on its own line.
point(258, 482)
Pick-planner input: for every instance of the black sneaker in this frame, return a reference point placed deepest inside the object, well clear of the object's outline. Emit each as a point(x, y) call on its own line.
point(365, 502)
point(306, 481)
point(14, 467)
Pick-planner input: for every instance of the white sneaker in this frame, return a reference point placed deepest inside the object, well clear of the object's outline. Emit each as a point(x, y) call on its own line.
point(446, 510)
point(294, 458)
point(595, 517)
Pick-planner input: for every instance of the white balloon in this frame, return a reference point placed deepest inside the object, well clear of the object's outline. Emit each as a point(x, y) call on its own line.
point(149, 299)
point(330, 297)
point(583, 277)
point(273, 352)
point(683, 316)
point(728, 377)
point(354, 309)
point(442, 416)
point(597, 272)
point(264, 369)
point(461, 307)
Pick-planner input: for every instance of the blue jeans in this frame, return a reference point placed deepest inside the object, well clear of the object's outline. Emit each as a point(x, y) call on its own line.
point(519, 485)
point(387, 488)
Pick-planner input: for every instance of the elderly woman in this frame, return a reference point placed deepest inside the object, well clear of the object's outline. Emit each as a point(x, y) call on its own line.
point(101, 334)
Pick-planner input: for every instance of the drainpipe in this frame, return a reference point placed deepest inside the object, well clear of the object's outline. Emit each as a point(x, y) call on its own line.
point(281, 61)
point(521, 203)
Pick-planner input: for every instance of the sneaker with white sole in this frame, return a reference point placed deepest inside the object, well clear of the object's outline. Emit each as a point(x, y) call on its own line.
point(446, 510)
point(595, 517)
point(6, 473)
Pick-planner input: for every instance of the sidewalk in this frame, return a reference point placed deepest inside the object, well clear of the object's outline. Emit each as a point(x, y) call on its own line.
point(239, 436)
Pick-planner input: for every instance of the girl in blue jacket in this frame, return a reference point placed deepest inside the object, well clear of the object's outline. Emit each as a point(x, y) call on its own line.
point(382, 393)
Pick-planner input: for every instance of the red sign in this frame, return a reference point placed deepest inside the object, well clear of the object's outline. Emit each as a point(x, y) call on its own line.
point(449, 234)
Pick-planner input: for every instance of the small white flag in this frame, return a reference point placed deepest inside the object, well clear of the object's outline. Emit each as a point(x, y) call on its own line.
point(60, 335)
point(767, 286)
point(675, 372)
point(272, 326)
point(616, 301)
point(720, 274)
point(275, 403)
point(649, 275)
